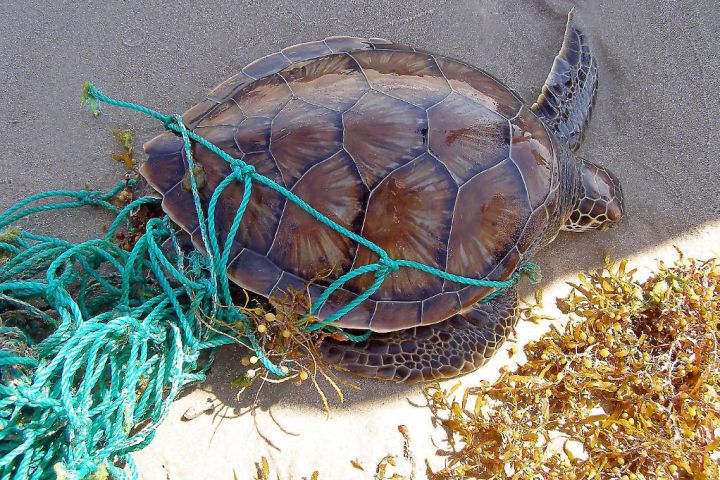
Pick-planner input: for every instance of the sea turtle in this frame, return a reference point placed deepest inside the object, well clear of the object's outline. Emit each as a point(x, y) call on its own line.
point(432, 159)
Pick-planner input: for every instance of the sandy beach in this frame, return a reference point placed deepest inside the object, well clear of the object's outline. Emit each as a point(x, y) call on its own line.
point(654, 125)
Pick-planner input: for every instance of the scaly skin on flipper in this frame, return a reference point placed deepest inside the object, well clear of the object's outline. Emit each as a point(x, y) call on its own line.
point(447, 349)
point(568, 96)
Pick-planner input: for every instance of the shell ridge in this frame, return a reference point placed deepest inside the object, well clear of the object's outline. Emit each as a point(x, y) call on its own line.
point(174, 217)
point(371, 193)
point(270, 142)
point(429, 133)
point(355, 164)
point(182, 159)
point(444, 166)
point(296, 97)
point(443, 266)
point(489, 75)
point(461, 188)
point(277, 230)
point(488, 275)
point(553, 174)
point(446, 252)
point(528, 223)
point(446, 282)
point(405, 231)
point(442, 74)
point(313, 167)
point(373, 89)
point(332, 187)
point(397, 98)
point(362, 70)
point(270, 154)
point(270, 139)
point(303, 134)
point(282, 52)
point(495, 165)
point(277, 282)
point(525, 187)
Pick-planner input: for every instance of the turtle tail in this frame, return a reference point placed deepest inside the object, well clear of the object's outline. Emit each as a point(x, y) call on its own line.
point(447, 349)
point(568, 96)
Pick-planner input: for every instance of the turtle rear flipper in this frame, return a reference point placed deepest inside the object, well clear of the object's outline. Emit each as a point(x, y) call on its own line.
point(453, 347)
point(568, 95)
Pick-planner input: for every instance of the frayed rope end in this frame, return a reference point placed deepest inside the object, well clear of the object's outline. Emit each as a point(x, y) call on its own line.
point(532, 272)
point(9, 235)
point(88, 98)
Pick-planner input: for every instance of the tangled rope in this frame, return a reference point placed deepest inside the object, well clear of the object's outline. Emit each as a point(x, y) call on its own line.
point(96, 341)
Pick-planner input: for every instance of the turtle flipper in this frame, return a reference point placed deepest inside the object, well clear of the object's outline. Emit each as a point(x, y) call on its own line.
point(447, 349)
point(568, 95)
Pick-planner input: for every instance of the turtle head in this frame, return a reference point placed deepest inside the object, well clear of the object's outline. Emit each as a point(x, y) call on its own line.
point(599, 204)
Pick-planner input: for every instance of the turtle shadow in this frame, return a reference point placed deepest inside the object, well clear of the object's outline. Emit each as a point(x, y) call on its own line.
point(264, 395)
point(225, 402)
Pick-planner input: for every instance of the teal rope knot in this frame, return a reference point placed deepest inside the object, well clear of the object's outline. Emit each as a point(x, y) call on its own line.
point(387, 266)
point(241, 169)
point(93, 198)
point(169, 121)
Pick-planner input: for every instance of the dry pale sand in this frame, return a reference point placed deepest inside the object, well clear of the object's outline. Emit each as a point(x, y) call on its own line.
point(655, 124)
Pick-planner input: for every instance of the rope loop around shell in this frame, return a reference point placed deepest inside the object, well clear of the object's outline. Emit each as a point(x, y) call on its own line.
point(243, 171)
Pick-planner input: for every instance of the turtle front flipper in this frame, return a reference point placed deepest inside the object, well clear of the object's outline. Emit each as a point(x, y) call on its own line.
point(568, 95)
point(447, 349)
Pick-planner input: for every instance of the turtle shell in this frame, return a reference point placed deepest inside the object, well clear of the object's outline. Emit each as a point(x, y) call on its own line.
point(430, 158)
